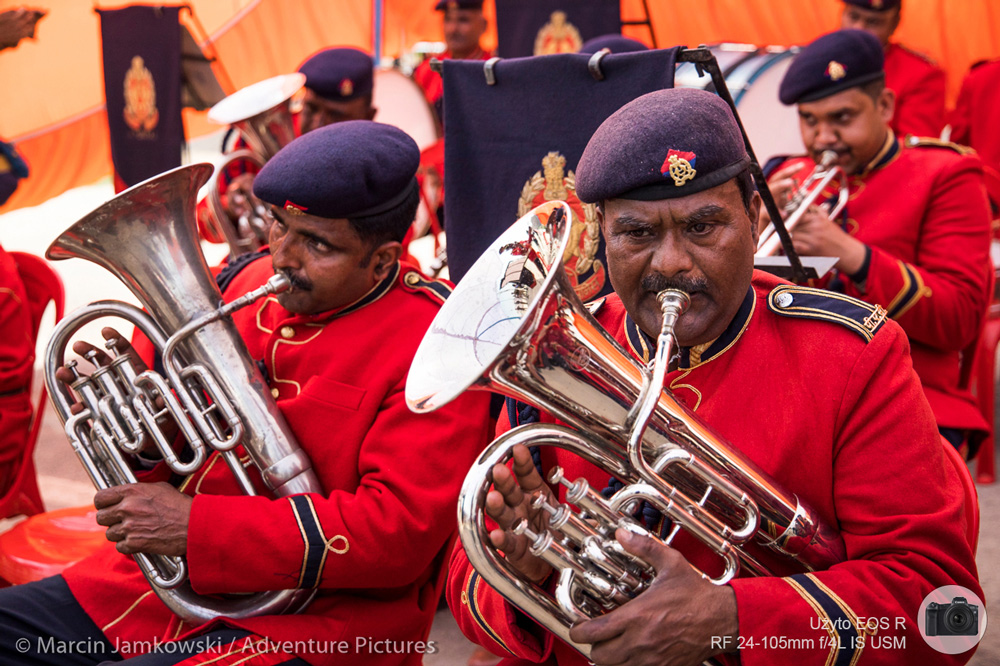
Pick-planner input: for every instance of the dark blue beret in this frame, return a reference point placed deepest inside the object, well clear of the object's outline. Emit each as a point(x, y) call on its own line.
point(877, 5)
point(665, 144)
point(443, 5)
point(339, 74)
point(831, 64)
point(614, 43)
point(344, 170)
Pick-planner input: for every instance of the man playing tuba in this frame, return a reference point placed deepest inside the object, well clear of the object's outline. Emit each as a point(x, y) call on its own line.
point(335, 350)
point(816, 388)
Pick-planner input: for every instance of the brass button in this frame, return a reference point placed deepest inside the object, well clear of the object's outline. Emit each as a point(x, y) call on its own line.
point(287, 332)
point(412, 279)
point(275, 392)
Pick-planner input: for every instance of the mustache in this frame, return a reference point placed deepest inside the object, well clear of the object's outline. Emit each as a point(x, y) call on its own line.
point(298, 283)
point(656, 283)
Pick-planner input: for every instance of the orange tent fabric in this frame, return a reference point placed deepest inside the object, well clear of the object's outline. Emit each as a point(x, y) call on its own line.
point(53, 90)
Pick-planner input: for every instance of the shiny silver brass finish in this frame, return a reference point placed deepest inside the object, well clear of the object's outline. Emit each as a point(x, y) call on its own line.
point(812, 187)
point(213, 389)
point(515, 325)
point(262, 114)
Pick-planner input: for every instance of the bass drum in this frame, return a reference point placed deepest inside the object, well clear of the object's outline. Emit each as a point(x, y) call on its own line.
point(400, 102)
point(753, 75)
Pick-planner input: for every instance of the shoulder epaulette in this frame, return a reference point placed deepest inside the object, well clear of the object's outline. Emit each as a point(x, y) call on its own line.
point(807, 303)
point(437, 290)
point(930, 142)
point(920, 54)
point(233, 268)
point(595, 306)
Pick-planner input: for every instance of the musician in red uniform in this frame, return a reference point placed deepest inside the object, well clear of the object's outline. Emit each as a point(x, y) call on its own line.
point(815, 388)
point(918, 82)
point(464, 25)
point(338, 87)
point(914, 236)
point(973, 122)
point(17, 359)
point(335, 350)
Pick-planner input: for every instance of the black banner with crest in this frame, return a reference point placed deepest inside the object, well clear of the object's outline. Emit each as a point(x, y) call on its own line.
point(515, 144)
point(543, 27)
point(142, 87)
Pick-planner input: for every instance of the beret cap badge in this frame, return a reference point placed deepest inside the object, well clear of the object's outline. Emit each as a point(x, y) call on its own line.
point(346, 88)
point(836, 71)
point(679, 165)
point(295, 209)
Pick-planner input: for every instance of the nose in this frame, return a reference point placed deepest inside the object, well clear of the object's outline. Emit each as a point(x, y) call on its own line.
point(671, 257)
point(826, 136)
point(283, 252)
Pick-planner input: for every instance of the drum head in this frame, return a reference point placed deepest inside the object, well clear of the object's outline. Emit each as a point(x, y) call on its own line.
point(727, 55)
point(400, 102)
point(773, 128)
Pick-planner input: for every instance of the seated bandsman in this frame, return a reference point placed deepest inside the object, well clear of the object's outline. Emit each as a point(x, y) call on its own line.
point(914, 235)
point(918, 82)
point(338, 87)
point(854, 436)
point(335, 350)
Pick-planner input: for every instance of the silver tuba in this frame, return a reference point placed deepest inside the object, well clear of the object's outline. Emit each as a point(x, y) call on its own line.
point(515, 325)
point(805, 196)
point(213, 389)
point(262, 114)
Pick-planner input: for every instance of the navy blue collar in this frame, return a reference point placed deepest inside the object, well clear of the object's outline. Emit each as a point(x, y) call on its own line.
point(643, 346)
point(887, 153)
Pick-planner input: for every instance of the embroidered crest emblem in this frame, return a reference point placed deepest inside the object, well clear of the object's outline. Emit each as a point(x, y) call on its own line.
point(346, 88)
point(140, 113)
point(836, 71)
point(558, 36)
point(877, 4)
point(295, 209)
point(586, 273)
point(679, 165)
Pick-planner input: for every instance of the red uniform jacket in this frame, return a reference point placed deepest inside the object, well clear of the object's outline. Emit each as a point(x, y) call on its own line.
point(834, 413)
point(391, 479)
point(923, 212)
point(974, 120)
point(919, 85)
point(17, 359)
point(430, 81)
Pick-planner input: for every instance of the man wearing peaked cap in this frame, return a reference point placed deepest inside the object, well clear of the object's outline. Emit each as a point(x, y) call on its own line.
point(854, 437)
point(918, 82)
point(914, 235)
point(334, 350)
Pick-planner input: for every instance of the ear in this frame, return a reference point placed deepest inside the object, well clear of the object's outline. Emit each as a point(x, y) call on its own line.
point(886, 105)
point(371, 112)
point(755, 205)
point(384, 257)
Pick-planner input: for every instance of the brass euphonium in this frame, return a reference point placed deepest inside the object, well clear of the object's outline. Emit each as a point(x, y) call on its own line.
point(262, 114)
point(213, 389)
point(514, 325)
point(805, 196)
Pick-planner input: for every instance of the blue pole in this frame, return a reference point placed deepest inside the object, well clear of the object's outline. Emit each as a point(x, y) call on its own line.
point(377, 7)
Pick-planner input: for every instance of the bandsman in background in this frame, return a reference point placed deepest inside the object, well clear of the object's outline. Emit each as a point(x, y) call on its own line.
point(815, 388)
point(914, 235)
point(918, 82)
point(975, 121)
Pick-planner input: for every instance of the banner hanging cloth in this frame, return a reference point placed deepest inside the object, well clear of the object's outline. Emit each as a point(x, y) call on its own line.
point(513, 145)
point(142, 87)
point(544, 27)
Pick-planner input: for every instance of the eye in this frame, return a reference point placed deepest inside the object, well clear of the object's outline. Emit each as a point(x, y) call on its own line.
point(319, 245)
point(700, 228)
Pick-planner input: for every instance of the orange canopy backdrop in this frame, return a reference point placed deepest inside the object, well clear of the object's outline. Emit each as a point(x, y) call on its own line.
point(53, 92)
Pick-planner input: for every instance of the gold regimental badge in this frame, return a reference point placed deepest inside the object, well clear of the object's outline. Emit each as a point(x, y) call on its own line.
point(346, 88)
point(679, 165)
point(558, 36)
point(875, 319)
point(836, 71)
point(140, 112)
point(552, 183)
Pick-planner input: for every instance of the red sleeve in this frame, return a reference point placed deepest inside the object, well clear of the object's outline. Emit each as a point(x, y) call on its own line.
point(865, 610)
point(940, 298)
point(920, 106)
point(411, 468)
point(17, 357)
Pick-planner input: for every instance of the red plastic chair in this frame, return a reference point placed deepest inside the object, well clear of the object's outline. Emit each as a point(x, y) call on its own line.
point(43, 286)
point(48, 543)
point(969, 489)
